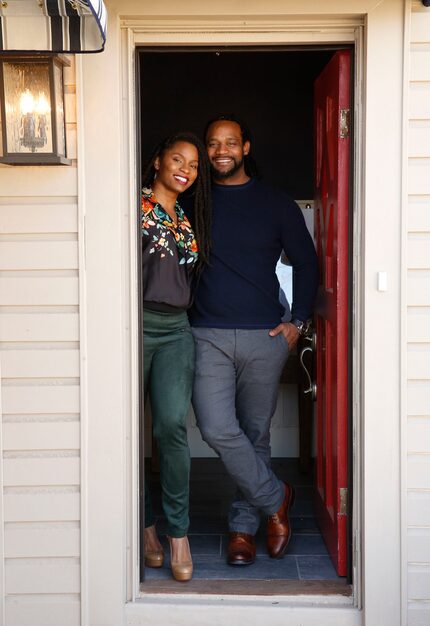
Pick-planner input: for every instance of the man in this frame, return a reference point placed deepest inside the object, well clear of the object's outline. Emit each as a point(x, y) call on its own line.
point(241, 343)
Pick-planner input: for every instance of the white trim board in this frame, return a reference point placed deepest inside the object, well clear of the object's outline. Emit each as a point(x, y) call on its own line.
point(183, 611)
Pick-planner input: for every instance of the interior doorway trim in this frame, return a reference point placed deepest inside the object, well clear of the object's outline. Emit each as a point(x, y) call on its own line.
point(292, 32)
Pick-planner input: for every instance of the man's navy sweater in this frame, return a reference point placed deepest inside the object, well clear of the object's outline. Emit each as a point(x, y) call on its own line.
point(239, 288)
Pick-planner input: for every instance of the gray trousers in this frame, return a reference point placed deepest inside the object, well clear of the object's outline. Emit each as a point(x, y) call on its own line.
point(234, 398)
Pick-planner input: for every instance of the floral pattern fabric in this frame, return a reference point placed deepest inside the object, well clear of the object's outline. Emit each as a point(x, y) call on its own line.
point(160, 228)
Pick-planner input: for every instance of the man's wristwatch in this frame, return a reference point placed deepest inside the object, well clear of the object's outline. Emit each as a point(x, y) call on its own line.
point(301, 326)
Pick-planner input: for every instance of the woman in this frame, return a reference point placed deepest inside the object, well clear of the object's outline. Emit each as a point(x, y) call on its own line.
point(172, 257)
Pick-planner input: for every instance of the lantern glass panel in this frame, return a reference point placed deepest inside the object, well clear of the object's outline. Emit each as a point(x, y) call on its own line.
point(58, 82)
point(28, 108)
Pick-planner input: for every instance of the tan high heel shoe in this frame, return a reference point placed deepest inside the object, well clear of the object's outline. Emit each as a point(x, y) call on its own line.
point(154, 555)
point(182, 568)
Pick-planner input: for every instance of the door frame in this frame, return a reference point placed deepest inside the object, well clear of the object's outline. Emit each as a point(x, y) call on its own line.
point(107, 197)
point(334, 48)
point(152, 34)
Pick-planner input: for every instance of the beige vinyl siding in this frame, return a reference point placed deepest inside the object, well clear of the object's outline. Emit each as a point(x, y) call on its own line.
point(40, 398)
point(418, 298)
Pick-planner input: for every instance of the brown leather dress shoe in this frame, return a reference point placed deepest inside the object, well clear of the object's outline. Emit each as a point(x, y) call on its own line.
point(279, 528)
point(241, 549)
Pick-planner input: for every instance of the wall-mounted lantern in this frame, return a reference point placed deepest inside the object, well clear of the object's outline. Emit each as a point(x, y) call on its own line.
point(32, 110)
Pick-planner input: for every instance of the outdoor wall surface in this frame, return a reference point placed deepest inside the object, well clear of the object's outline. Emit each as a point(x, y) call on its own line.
point(40, 394)
point(418, 322)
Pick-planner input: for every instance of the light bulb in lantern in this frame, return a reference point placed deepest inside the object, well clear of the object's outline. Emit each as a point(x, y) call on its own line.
point(26, 102)
point(42, 105)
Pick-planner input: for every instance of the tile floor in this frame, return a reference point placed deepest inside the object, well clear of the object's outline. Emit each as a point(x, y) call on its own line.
point(210, 494)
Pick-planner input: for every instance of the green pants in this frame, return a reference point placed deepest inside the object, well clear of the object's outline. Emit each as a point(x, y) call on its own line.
point(168, 353)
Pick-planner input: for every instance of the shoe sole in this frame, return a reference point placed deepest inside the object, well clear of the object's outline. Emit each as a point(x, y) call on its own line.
point(151, 562)
point(182, 577)
point(240, 563)
point(154, 565)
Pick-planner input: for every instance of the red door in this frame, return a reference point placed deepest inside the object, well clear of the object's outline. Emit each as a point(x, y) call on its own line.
point(332, 104)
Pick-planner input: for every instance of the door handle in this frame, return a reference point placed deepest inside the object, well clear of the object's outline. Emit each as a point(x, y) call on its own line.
point(312, 386)
point(313, 341)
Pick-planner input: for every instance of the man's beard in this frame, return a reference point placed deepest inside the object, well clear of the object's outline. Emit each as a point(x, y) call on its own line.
point(229, 173)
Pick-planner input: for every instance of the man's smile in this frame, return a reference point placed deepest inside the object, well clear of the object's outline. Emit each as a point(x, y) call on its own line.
point(223, 160)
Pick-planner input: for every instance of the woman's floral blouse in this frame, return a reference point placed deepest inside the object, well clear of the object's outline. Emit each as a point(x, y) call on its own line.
point(169, 253)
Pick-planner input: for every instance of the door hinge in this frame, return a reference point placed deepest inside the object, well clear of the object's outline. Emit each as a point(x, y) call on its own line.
point(343, 501)
point(344, 123)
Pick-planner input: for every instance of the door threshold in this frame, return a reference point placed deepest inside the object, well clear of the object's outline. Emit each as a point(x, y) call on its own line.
point(248, 587)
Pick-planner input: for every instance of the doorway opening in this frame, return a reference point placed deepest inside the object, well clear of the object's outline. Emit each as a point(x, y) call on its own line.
point(272, 89)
